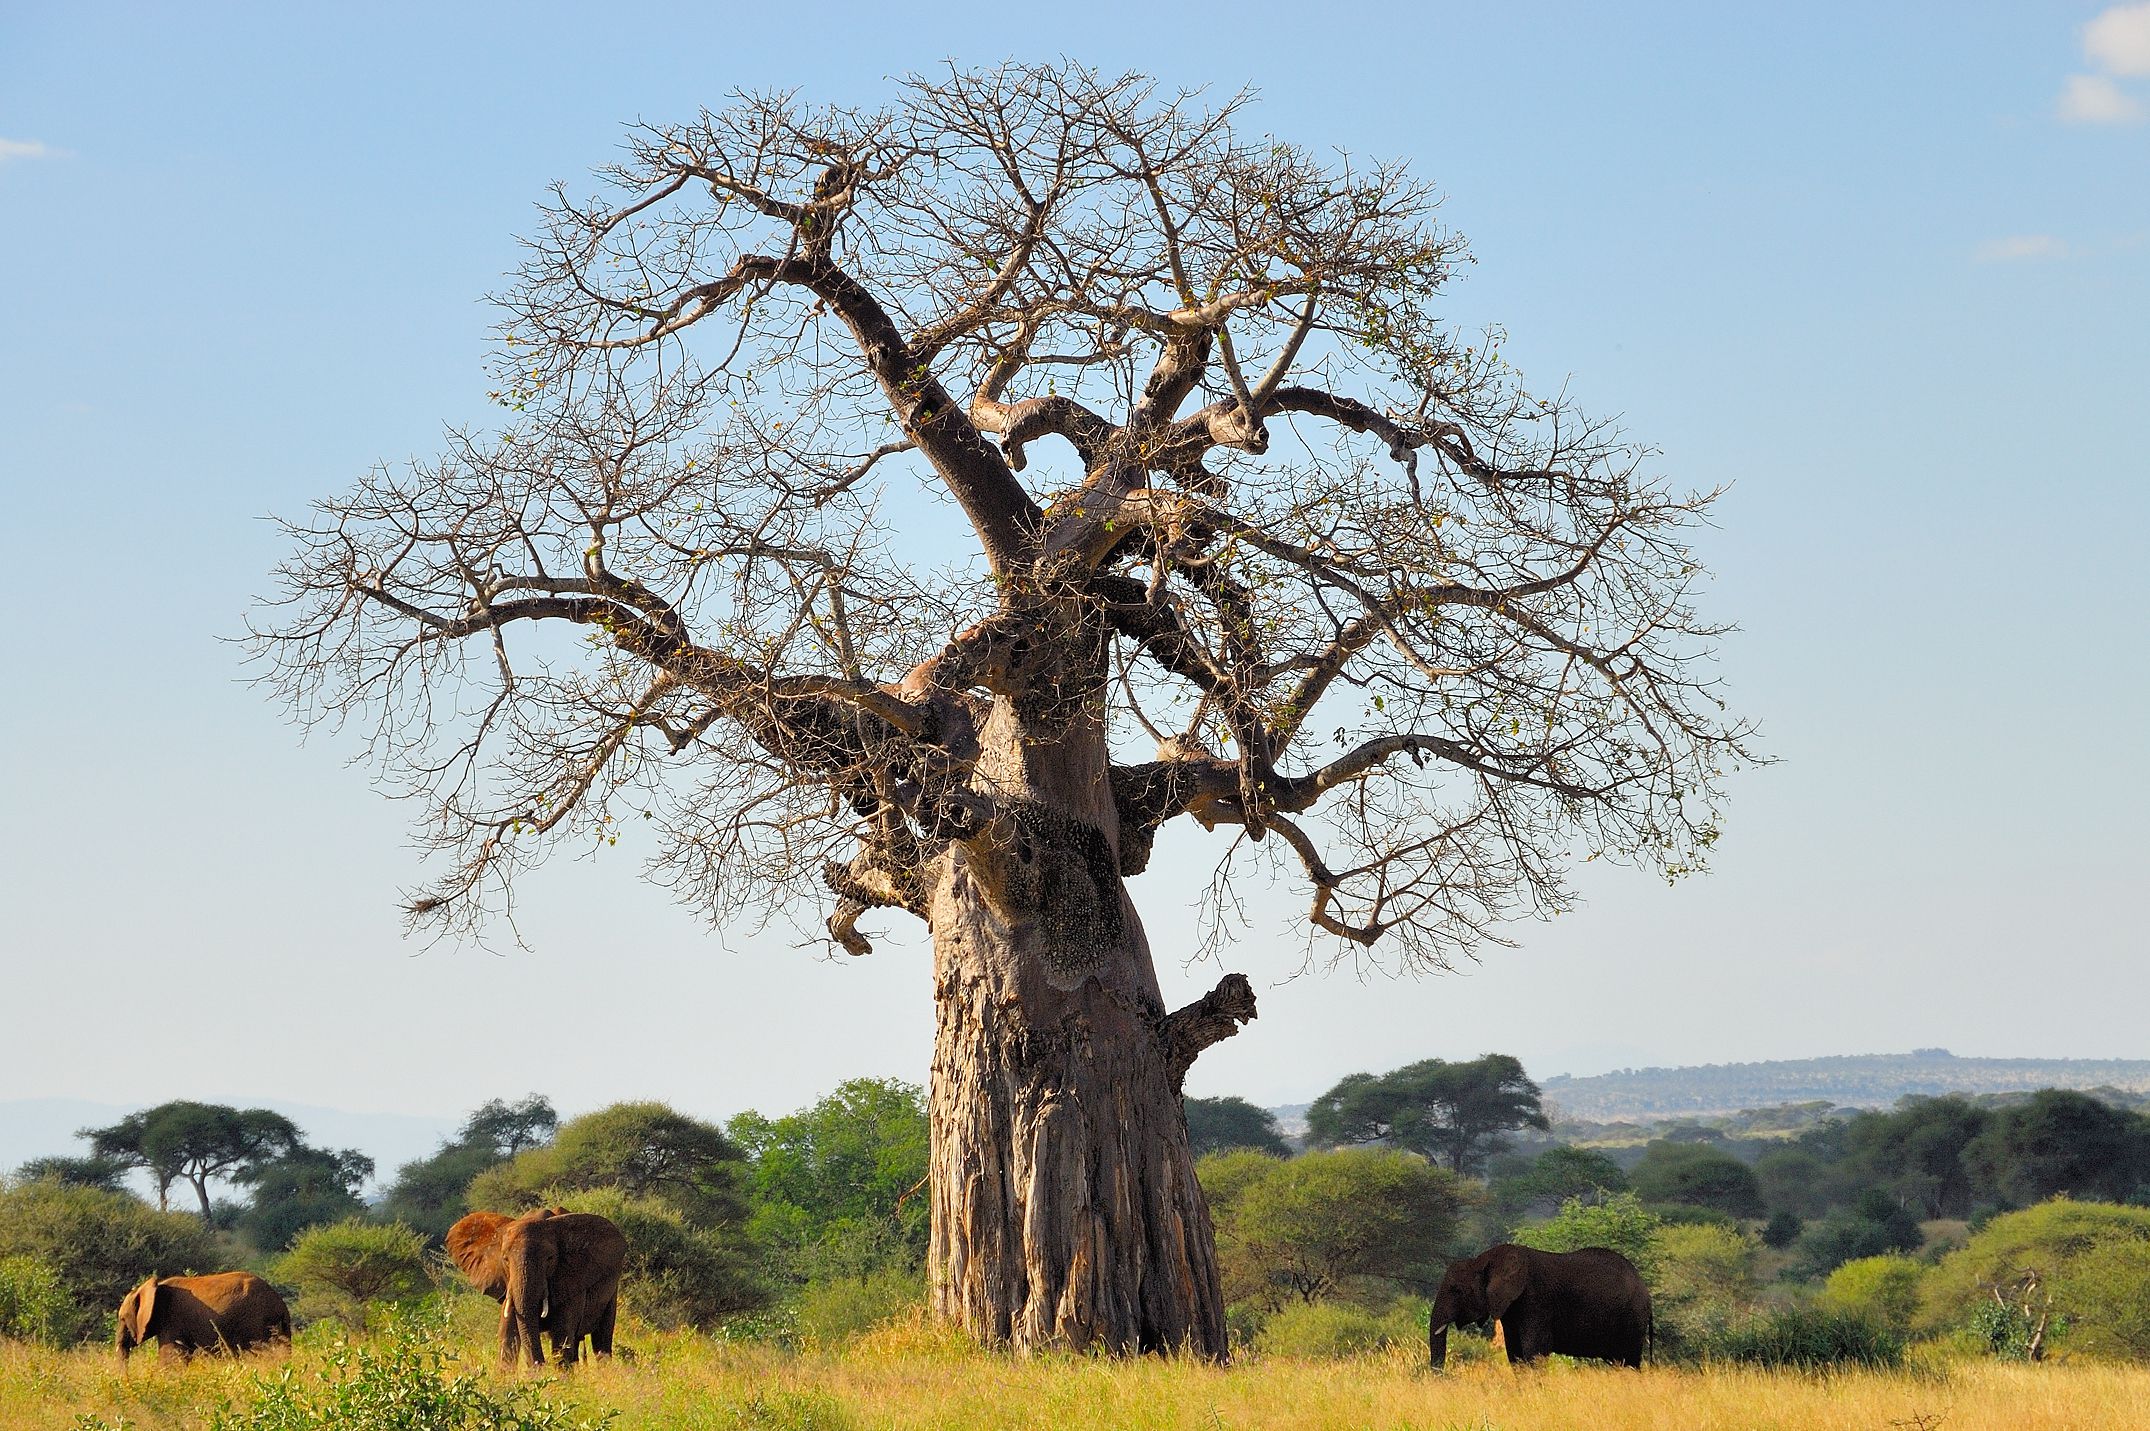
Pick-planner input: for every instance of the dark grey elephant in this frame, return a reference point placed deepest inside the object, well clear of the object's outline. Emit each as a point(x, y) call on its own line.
point(1589, 1303)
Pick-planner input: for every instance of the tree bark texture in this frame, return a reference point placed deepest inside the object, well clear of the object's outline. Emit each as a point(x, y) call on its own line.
point(1065, 1207)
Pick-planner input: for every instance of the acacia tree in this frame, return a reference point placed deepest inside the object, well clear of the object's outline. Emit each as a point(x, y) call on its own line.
point(931, 504)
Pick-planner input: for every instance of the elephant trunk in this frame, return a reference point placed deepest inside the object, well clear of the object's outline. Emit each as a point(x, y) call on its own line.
point(1437, 1343)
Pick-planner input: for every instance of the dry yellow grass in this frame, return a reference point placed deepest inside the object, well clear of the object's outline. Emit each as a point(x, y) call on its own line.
point(910, 1378)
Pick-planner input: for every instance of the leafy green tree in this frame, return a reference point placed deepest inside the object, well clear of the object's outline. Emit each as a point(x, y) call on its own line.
point(837, 1187)
point(194, 1142)
point(2059, 1142)
point(1620, 1222)
point(100, 1243)
point(510, 1128)
point(1353, 1223)
point(1883, 1289)
point(429, 1194)
point(1453, 1113)
point(1874, 1225)
point(645, 1150)
point(1557, 1174)
point(1916, 1154)
point(306, 1187)
point(2090, 1261)
point(341, 1267)
point(1796, 1180)
point(1696, 1175)
point(105, 1174)
point(1782, 1229)
point(1216, 1125)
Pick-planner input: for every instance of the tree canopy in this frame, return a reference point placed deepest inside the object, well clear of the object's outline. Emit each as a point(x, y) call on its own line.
point(197, 1142)
point(1453, 1112)
point(1218, 1125)
point(1294, 485)
point(645, 1150)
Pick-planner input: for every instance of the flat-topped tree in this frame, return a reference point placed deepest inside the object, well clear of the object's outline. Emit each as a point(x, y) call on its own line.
point(939, 500)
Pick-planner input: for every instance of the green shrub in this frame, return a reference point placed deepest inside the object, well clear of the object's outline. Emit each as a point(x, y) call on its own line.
point(1620, 1222)
point(33, 1305)
point(1701, 1281)
point(1884, 1290)
point(1338, 1329)
point(1350, 1223)
point(409, 1379)
point(100, 1244)
point(843, 1307)
point(1807, 1339)
point(341, 1267)
point(2091, 1268)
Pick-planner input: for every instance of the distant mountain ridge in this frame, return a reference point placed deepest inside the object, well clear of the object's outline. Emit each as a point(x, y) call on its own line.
point(1868, 1080)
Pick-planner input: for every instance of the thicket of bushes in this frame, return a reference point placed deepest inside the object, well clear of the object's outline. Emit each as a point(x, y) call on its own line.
point(811, 1227)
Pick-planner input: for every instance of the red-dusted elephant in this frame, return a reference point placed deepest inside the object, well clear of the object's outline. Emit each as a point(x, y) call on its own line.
point(224, 1311)
point(552, 1271)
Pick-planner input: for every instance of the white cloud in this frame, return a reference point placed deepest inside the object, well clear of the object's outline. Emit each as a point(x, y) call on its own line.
point(2118, 40)
point(12, 149)
point(2094, 99)
point(2018, 247)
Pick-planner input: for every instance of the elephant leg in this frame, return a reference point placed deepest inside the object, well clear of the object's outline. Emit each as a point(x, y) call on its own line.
point(601, 1327)
point(568, 1326)
point(511, 1341)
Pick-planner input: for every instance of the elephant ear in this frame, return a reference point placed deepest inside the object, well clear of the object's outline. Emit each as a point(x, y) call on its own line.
point(1506, 1277)
point(473, 1245)
point(144, 1300)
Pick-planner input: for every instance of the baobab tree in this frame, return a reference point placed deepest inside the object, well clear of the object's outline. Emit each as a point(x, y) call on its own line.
point(917, 509)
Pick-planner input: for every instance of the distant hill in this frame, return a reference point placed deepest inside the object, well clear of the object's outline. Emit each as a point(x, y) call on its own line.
point(1869, 1080)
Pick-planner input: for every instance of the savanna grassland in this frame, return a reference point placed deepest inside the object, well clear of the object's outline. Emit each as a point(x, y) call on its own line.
point(911, 1376)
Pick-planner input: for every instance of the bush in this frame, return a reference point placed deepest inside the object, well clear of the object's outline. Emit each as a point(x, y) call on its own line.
point(2092, 1265)
point(1350, 1223)
point(1338, 1329)
point(1877, 1224)
point(1807, 1339)
point(1703, 1281)
point(100, 1244)
point(341, 1267)
point(1782, 1230)
point(407, 1380)
point(1884, 1290)
point(641, 1150)
point(33, 1305)
point(1620, 1222)
point(1697, 1176)
point(678, 1275)
point(843, 1307)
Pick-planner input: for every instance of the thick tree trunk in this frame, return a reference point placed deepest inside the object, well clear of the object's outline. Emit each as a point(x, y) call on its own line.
point(1065, 1207)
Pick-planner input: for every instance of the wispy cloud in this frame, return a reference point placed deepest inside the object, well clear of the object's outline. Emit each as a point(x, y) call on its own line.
point(13, 149)
point(2018, 247)
point(2094, 99)
point(2117, 45)
point(2118, 41)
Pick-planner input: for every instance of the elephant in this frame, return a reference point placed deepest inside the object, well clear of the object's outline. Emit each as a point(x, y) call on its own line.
point(551, 1271)
point(225, 1311)
point(1589, 1303)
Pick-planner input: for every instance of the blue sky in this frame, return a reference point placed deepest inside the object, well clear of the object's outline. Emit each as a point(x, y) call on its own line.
point(1884, 269)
